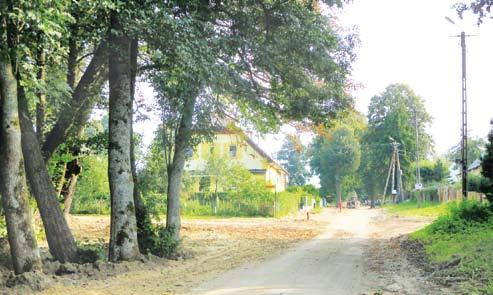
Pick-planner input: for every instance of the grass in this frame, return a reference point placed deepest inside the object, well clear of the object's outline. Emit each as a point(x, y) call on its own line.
point(464, 232)
point(413, 208)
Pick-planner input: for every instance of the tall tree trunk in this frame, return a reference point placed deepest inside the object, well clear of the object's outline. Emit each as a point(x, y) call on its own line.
point(22, 240)
point(41, 104)
point(123, 234)
point(339, 195)
point(77, 111)
point(144, 223)
point(175, 170)
point(73, 54)
point(60, 240)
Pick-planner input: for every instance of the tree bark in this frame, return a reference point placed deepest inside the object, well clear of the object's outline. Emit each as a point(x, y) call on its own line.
point(61, 181)
point(41, 104)
point(60, 240)
point(144, 223)
point(77, 111)
point(123, 232)
point(70, 195)
point(175, 170)
point(22, 240)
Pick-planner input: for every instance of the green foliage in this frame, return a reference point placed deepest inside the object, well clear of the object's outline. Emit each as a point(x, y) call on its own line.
point(153, 176)
point(92, 195)
point(335, 159)
point(418, 209)
point(292, 156)
point(487, 169)
point(476, 183)
point(475, 149)
point(465, 233)
point(91, 252)
point(165, 245)
point(3, 227)
point(392, 114)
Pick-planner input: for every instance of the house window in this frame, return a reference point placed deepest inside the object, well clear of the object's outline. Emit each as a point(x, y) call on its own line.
point(232, 151)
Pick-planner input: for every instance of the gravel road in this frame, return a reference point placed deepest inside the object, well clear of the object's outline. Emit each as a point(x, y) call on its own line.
point(332, 263)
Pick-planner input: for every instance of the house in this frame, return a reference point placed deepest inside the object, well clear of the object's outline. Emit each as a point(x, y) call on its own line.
point(475, 166)
point(237, 146)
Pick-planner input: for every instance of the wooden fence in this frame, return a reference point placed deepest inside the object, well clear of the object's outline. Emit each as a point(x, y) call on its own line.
point(447, 194)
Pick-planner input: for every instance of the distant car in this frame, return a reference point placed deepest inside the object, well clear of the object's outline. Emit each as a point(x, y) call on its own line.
point(353, 204)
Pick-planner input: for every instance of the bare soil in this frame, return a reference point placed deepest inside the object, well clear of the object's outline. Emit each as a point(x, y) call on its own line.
point(212, 246)
point(360, 249)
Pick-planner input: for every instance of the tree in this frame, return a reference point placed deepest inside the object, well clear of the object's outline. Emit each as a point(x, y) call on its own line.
point(440, 171)
point(22, 240)
point(123, 235)
point(475, 149)
point(487, 168)
point(292, 156)
point(22, 27)
point(393, 114)
point(336, 159)
point(481, 8)
point(260, 63)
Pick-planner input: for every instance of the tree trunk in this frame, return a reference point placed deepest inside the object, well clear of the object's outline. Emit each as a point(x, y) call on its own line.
point(123, 233)
point(175, 170)
point(61, 181)
point(339, 195)
point(22, 240)
point(144, 223)
point(70, 195)
point(41, 104)
point(60, 240)
point(72, 173)
point(77, 111)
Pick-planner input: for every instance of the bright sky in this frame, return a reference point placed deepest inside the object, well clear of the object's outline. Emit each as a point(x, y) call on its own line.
point(409, 42)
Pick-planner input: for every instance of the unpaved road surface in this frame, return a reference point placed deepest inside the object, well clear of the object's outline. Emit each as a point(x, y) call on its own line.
point(335, 262)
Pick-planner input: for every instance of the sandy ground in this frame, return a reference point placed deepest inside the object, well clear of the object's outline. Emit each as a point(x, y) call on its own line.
point(356, 251)
point(217, 245)
point(339, 261)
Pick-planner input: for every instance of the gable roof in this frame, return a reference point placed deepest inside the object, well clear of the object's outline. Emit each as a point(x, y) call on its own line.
point(255, 146)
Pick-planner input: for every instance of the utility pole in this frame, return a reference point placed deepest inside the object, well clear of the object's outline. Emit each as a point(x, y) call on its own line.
point(419, 185)
point(464, 116)
point(464, 112)
point(395, 167)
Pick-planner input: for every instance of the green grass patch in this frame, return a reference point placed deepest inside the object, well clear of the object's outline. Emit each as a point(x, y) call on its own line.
point(465, 232)
point(421, 209)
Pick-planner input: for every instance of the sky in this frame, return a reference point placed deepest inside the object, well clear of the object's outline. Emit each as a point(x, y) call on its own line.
point(410, 42)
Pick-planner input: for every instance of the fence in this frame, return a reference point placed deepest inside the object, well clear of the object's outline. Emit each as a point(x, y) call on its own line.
point(446, 194)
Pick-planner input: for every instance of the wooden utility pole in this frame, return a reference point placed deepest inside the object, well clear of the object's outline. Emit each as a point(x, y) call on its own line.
point(394, 165)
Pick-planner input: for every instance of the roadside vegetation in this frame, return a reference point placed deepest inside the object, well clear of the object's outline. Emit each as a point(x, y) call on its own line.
point(418, 209)
point(461, 243)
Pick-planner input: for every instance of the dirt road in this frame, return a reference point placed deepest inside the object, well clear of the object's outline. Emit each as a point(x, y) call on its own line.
point(332, 263)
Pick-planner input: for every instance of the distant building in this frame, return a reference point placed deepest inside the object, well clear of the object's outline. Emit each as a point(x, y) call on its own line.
point(475, 166)
point(237, 146)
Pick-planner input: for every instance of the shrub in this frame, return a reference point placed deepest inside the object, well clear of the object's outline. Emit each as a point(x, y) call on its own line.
point(471, 211)
point(165, 245)
point(461, 218)
point(90, 253)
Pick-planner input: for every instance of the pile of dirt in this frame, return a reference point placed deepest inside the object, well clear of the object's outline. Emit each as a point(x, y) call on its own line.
point(72, 273)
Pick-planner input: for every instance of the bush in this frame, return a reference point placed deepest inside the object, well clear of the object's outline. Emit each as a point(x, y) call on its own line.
point(471, 211)
point(90, 253)
point(461, 217)
point(165, 245)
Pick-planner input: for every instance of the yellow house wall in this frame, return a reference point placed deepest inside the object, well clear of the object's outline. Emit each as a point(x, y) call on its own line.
point(246, 155)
